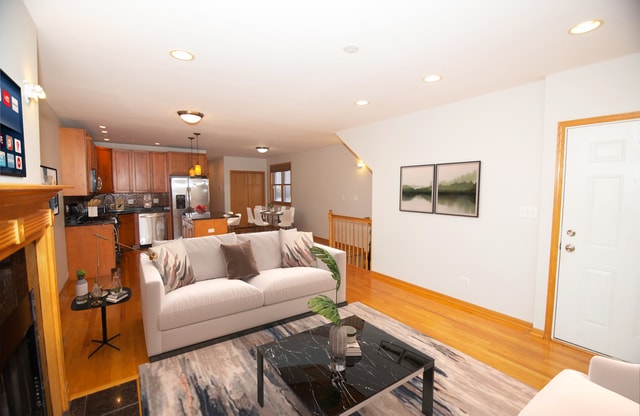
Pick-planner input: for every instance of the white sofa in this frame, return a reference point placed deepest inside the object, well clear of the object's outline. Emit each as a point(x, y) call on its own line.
point(612, 387)
point(215, 305)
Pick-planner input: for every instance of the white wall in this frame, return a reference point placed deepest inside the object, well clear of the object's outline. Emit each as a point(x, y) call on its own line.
point(325, 179)
point(18, 59)
point(513, 133)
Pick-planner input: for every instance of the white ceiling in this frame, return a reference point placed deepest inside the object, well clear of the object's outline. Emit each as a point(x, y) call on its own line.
point(275, 73)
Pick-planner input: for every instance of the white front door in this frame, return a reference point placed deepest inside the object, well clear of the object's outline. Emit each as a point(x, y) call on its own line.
point(598, 283)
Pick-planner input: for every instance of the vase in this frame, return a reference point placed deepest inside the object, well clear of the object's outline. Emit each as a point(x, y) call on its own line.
point(82, 290)
point(338, 348)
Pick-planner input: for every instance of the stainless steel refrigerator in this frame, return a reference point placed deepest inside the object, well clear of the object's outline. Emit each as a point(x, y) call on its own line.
point(187, 193)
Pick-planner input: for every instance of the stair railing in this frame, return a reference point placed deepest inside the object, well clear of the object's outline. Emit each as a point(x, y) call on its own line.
point(353, 236)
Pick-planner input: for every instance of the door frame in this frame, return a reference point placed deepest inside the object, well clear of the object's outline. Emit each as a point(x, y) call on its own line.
point(558, 193)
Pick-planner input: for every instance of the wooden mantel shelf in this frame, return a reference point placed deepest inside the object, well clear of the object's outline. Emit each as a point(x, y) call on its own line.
point(27, 222)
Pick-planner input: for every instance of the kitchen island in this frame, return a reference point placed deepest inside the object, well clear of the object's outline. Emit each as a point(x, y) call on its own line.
point(200, 226)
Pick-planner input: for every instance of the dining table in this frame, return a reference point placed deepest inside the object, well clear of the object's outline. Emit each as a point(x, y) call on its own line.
point(271, 216)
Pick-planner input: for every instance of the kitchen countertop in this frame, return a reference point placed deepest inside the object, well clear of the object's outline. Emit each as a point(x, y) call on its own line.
point(109, 215)
point(212, 216)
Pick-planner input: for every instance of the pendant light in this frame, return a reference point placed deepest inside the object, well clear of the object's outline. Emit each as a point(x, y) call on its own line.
point(197, 168)
point(192, 171)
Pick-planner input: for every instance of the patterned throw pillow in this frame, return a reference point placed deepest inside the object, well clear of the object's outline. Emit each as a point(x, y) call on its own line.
point(239, 260)
point(172, 261)
point(295, 247)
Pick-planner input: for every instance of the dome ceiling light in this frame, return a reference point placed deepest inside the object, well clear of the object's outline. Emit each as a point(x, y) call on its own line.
point(262, 149)
point(190, 117)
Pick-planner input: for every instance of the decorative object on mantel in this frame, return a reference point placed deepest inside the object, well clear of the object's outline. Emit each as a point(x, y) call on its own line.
point(325, 306)
point(190, 116)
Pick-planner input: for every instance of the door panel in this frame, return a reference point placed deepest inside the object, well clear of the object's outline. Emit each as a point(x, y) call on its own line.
point(246, 190)
point(598, 282)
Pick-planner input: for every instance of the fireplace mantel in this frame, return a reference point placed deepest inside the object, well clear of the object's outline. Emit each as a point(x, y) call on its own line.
point(27, 222)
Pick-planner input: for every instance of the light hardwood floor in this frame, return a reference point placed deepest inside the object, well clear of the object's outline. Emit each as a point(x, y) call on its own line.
point(505, 344)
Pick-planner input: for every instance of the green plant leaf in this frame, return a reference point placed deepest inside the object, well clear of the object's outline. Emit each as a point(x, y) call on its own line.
point(328, 259)
point(323, 305)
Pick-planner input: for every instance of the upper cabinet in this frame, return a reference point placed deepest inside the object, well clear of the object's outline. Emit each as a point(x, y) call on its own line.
point(178, 163)
point(77, 162)
point(104, 169)
point(139, 171)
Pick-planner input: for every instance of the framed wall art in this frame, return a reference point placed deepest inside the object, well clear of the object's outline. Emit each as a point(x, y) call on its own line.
point(416, 188)
point(50, 177)
point(458, 188)
point(12, 149)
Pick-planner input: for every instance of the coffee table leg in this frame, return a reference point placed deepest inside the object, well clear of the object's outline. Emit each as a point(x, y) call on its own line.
point(427, 390)
point(260, 360)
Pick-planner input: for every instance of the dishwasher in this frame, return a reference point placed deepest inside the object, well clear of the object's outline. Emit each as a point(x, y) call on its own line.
point(151, 227)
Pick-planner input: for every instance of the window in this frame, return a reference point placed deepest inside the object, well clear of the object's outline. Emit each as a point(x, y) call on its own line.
point(281, 183)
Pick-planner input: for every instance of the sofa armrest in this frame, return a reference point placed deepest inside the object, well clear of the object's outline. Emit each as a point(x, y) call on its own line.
point(341, 259)
point(152, 300)
point(618, 376)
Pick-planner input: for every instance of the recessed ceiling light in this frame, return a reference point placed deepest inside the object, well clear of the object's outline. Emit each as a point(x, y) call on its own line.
point(104, 131)
point(102, 127)
point(432, 78)
point(362, 102)
point(106, 139)
point(351, 49)
point(181, 55)
point(157, 144)
point(585, 27)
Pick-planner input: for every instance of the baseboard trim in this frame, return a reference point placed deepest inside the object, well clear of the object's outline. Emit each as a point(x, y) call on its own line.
point(457, 303)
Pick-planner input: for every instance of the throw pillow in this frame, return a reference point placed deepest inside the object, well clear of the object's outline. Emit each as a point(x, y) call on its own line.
point(295, 247)
point(239, 260)
point(173, 265)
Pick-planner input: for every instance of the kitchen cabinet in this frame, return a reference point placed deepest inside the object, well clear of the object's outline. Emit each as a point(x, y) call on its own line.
point(203, 227)
point(139, 171)
point(104, 169)
point(127, 229)
point(86, 251)
point(178, 163)
point(121, 162)
point(159, 176)
point(77, 162)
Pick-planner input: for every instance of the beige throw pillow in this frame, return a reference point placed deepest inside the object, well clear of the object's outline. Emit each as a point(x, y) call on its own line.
point(173, 265)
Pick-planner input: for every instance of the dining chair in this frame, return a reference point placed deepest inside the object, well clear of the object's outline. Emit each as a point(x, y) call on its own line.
point(293, 214)
point(233, 222)
point(286, 221)
point(250, 218)
point(257, 218)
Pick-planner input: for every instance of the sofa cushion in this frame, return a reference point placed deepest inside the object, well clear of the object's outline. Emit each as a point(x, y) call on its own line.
point(239, 260)
point(207, 300)
point(295, 247)
point(206, 257)
point(266, 248)
point(173, 265)
point(278, 285)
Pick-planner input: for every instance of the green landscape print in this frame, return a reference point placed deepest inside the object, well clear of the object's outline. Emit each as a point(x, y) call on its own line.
point(416, 188)
point(457, 188)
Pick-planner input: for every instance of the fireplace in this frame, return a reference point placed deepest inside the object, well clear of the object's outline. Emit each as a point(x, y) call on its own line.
point(21, 389)
point(32, 374)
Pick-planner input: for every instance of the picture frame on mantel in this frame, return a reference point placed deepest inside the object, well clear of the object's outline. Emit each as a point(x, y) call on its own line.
point(50, 177)
point(416, 188)
point(458, 188)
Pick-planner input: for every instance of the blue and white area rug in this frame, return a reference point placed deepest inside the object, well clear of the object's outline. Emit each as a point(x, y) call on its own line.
point(220, 379)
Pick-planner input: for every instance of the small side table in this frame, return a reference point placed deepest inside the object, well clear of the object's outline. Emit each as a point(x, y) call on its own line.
point(101, 303)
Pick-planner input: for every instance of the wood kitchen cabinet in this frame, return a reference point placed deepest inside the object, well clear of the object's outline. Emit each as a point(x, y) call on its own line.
point(77, 159)
point(140, 171)
point(121, 162)
point(159, 176)
point(178, 163)
point(86, 251)
point(127, 229)
point(104, 169)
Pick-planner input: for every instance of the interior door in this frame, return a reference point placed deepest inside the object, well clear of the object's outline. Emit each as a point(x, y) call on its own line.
point(247, 189)
point(598, 282)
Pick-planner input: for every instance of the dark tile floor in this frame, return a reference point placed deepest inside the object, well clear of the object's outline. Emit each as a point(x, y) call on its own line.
point(120, 400)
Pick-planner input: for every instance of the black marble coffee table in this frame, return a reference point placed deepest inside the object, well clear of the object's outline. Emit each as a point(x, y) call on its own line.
point(302, 361)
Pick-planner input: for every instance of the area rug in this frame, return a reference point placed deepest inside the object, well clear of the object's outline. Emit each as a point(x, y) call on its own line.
point(220, 379)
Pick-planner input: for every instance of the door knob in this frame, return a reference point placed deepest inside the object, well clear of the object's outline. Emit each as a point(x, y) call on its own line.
point(570, 248)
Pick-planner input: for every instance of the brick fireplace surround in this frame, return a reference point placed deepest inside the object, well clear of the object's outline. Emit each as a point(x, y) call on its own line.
point(27, 222)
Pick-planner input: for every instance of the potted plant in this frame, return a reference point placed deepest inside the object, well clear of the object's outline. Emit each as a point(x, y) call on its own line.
point(327, 307)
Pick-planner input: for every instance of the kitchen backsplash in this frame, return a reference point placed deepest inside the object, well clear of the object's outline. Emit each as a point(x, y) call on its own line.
point(131, 200)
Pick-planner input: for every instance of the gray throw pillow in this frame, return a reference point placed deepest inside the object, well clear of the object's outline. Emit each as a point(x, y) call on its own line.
point(239, 260)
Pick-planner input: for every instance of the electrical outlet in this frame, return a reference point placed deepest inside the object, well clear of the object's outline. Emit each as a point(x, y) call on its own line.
point(129, 201)
point(156, 200)
point(465, 280)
